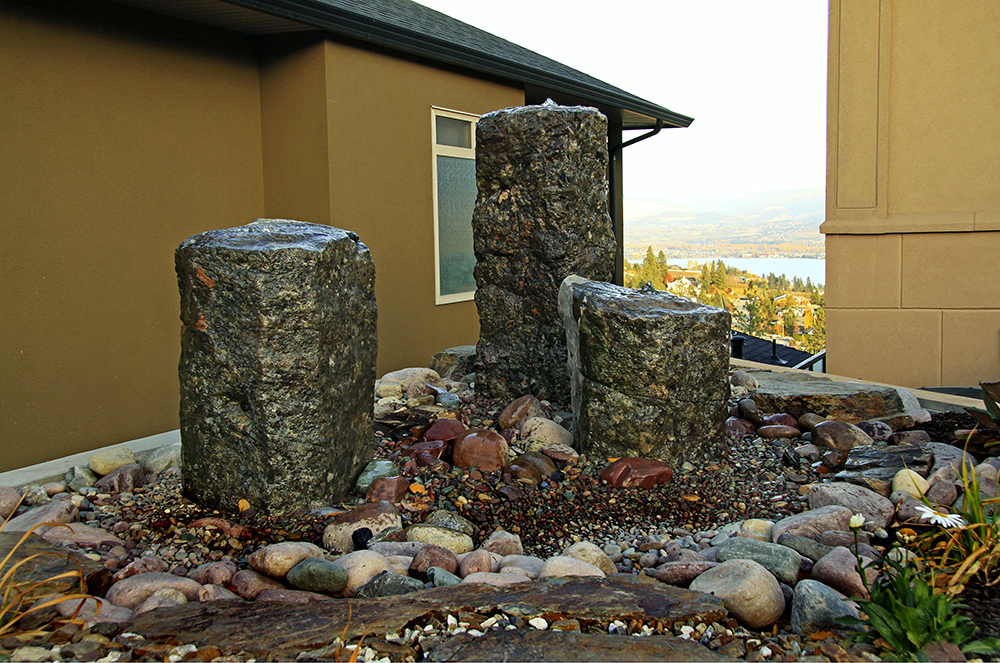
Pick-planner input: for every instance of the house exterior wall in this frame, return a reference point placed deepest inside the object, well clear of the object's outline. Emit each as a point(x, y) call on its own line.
point(913, 207)
point(365, 165)
point(123, 132)
point(117, 140)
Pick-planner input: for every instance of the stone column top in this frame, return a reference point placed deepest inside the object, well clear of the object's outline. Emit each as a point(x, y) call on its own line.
point(271, 235)
point(641, 302)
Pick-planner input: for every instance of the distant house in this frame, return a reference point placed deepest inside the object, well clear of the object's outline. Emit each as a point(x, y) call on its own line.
point(129, 126)
point(913, 203)
point(763, 351)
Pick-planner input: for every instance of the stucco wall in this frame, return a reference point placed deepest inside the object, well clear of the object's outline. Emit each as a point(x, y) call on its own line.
point(913, 206)
point(118, 139)
point(371, 171)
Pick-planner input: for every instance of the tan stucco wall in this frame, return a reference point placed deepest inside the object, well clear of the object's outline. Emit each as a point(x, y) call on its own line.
point(116, 143)
point(913, 206)
point(376, 164)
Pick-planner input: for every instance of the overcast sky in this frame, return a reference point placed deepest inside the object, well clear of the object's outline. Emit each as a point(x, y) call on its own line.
point(752, 74)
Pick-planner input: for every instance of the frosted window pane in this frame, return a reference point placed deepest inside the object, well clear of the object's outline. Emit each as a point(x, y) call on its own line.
point(456, 191)
point(457, 133)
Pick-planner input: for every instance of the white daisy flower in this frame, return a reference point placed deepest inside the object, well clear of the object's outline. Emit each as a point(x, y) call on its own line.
point(857, 521)
point(946, 520)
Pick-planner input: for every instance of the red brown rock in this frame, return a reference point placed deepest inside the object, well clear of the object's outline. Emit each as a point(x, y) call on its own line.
point(781, 419)
point(478, 561)
point(774, 431)
point(425, 459)
point(431, 555)
point(388, 489)
point(480, 448)
point(445, 429)
point(248, 583)
point(561, 452)
point(525, 407)
point(437, 448)
point(526, 472)
point(636, 473)
point(736, 427)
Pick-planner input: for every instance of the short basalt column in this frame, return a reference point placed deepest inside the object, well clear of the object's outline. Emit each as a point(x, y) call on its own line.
point(541, 215)
point(649, 372)
point(278, 351)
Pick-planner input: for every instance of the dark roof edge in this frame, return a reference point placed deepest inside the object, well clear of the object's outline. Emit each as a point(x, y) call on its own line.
point(320, 14)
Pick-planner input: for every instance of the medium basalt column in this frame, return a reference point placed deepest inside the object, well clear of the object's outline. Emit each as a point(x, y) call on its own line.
point(541, 215)
point(278, 351)
point(650, 372)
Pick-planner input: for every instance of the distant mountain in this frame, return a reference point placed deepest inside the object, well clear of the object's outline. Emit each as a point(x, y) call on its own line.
point(769, 223)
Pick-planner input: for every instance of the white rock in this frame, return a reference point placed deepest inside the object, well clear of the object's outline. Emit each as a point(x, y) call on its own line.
point(277, 559)
point(110, 459)
point(911, 482)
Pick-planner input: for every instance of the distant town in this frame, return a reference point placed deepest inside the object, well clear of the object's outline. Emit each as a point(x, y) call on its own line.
point(770, 306)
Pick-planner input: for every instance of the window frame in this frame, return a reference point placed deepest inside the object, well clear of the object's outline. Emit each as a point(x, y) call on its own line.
point(456, 152)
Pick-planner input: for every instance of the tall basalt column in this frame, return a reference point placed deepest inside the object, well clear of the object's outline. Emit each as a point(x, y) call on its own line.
point(541, 215)
point(278, 351)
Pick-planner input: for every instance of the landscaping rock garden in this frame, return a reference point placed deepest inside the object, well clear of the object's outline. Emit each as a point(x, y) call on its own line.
point(479, 532)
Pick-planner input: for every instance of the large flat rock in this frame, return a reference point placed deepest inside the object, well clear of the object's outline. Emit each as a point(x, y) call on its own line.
point(282, 630)
point(530, 645)
point(874, 467)
point(798, 393)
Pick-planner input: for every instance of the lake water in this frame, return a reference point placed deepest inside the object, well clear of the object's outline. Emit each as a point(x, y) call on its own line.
point(811, 268)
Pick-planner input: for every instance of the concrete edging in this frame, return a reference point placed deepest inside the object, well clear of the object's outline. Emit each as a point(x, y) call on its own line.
point(53, 470)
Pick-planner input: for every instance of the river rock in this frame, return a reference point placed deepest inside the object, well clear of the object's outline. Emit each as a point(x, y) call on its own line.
point(682, 573)
point(545, 431)
point(450, 520)
point(503, 543)
point(809, 548)
point(909, 438)
point(839, 569)
point(277, 559)
point(373, 471)
point(808, 421)
point(80, 534)
point(816, 607)
point(801, 392)
point(481, 449)
point(361, 566)
point(636, 473)
point(248, 583)
point(376, 516)
point(560, 566)
point(813, 523)
point(404, 377)
point(649, 372)
point(445, 430)
point(541, 215)
point(590, 553)
point(55, 512)
point(314, 574)
point(911, 482)
point(389, 584)
point(213, 573)
point(782, 562)
point(432, 555)
point(749, 592)
point(79, 476)
point(162, 458)
point(388, 489)
point(124, 478)
point(743, 379)
point(107, 460)
point(457, 542)
point(277, 363)
point(130, 592)
point(478, 561)
point(528, 565)
point(878, 431)
point(525, 407)
point(874, 507)
point(840, 435)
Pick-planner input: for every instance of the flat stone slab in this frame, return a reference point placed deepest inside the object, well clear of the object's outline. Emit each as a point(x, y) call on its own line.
point(798, 393)
point(282, 630)
point(51, 561)
point(874, 467)
point(531, 645)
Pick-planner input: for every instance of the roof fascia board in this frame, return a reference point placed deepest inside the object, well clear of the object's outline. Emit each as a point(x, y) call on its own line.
point(338, 21)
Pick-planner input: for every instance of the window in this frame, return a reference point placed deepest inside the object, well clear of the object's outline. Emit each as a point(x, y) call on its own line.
point(454, 139)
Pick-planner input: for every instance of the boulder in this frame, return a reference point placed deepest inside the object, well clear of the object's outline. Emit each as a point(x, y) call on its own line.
point(649, 372)
point(460, 360)
point(749, 592)
point(874, 507)
point(541, 215)
point(278, 350)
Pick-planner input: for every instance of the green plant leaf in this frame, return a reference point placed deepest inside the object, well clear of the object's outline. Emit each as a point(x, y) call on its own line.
point(983, 646)
point(991, 397)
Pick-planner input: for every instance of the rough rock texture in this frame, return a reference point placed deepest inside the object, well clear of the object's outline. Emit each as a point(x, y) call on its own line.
point(458, 360)
point(650, 372)
point(875, 467)
point(799, 393)
point(278, 354)
point(541, 215)
point(282, 631)
point(532, 645)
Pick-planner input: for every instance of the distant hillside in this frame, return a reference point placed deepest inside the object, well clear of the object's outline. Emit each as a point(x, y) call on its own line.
point(772, 223)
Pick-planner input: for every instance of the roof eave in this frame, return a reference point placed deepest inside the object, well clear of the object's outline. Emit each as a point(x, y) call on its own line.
point(338, 21)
